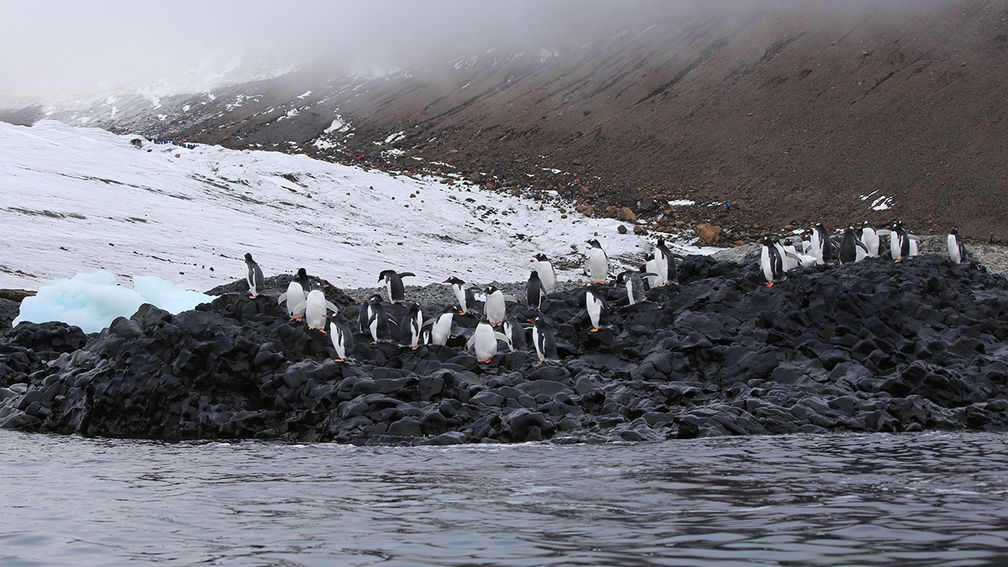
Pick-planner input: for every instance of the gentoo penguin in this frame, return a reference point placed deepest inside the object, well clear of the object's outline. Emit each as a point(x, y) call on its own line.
point(956, 250)
point(771, 262)
point(666, 263)
point(297, 292)
point(849, 246)
point(822, 247)
point(651, 267)
point(342, 338)
point(515, 334)
point(483, 341)
point(463, 293)
point(254, 277)
point(542, 339)
point(302, 278)
point(393, 284)
point(378, 320)
point(792, 257)
point(535, 291)
point(634, 285)
point(441, 329)
point(913, 239)
point(595, 305)
point(495, 307)
point(409, 327)
point(315, 307)
point(899, 241)
point(364, 315)
point(869, 238)
point(598, 262)
point(547, 275)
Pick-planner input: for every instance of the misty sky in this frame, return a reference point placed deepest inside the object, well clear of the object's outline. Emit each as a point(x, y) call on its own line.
point(64, 50)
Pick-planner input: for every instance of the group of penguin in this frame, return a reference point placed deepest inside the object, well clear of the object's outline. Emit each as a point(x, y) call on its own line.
point(817, 247)
point(305, 300)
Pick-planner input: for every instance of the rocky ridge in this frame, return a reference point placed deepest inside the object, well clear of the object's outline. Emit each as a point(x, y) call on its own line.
point(873, 346)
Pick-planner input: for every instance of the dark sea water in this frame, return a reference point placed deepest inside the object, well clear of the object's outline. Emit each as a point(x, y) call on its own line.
point(922, 499)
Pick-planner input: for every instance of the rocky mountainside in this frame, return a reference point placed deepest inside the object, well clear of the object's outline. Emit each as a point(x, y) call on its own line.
point(794, 111)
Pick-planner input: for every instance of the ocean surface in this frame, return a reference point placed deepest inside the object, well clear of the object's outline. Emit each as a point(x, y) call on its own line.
point(921, 499)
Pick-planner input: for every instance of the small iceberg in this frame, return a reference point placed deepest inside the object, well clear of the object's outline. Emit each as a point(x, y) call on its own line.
point(92, 301)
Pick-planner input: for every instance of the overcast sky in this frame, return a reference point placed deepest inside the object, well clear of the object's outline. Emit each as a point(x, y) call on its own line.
point(58, 50)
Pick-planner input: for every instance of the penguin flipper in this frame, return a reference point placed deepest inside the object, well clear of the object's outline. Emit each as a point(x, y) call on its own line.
point(299, 309)
point(406, 274)
point(861, 244)
point(913, 237)
point(282, 298)
point(883, 232)
point(332, 307)
point(471, 341)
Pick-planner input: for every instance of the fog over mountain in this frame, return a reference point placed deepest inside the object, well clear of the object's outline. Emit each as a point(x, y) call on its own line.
point(792, 111)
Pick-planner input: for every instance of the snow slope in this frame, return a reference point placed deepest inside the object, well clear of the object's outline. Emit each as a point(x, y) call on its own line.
point(79, 200)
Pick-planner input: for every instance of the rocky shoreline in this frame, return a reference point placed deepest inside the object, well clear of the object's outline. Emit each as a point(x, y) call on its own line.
point(872, 346)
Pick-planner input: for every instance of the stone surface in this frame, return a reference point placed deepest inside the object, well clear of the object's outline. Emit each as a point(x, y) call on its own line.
point(873, 346)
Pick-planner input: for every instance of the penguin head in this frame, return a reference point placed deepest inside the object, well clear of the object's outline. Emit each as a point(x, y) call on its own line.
point(955, 230)
point(452, 280)
point(534, 274)
point(248, 258)
point(541, 257)
point(594, 243)
point(385, 274)
point(490, 290)
point(374, 300)
point(661, 241)
point(451, 309)
point(302, 274)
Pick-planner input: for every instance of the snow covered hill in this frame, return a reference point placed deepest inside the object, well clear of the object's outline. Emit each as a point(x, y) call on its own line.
point(78, 200)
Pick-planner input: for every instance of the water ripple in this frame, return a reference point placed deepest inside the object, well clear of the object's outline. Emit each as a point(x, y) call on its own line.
point(923, 499)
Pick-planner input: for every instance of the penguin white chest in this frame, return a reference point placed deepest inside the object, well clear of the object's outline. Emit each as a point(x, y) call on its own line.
point(485, 343)
point(495, 307)
point(871, 241)
point(441, 329)
point(295, 297)
point(594, 309)
point(315, 309)
point(652, 267)
point(766, 265)
point(537, 341)
point(953, 249)
point(598, 265)
point(546, 275)
point(460, 296)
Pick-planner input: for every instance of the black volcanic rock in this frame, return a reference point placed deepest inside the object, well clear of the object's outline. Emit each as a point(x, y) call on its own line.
point(872, 346)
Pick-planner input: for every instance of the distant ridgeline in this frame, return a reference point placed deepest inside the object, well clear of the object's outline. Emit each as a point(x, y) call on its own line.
point(870, 346)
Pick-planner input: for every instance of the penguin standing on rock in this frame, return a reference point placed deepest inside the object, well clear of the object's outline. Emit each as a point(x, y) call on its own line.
point(342, 338)
point(651, 268)
point(595, 306)
point(870, 238)
point(378, 320)
point(634, 284)
point(535, 291)
point(441, 329)
point(956, 250)
point(822, 246)
point(463, 293)
point(364, 315)
point(666, 263)
point(410, 326)
point(495, 307)
point(849, 246)
point(598, 262)
point(315, 309)
point(296, 295)
point(547, 274)
point(483, 341)
point(542, 339)
point(771, 262)
point(515, 334)
point(256, 282)
point(393, 284)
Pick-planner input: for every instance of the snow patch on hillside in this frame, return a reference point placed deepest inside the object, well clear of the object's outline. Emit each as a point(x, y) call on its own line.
point(78, 200)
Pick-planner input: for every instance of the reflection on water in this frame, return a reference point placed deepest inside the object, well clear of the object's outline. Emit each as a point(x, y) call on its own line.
point(932, 498)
